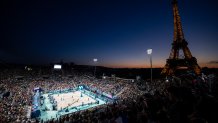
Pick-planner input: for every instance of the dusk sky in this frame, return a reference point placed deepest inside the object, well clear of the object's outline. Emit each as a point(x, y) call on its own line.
point(117, 32)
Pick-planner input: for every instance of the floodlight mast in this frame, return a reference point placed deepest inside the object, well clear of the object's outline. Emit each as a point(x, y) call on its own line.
point(149, 52)
point(95, 61)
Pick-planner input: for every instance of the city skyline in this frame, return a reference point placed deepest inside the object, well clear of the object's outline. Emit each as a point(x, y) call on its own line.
point(117, 33)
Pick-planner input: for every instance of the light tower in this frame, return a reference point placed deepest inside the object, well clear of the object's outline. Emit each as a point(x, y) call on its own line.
point(95, 60)
point(149, 52)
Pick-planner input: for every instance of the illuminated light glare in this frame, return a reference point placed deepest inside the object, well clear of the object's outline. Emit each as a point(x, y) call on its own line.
point(57, 66)
point(95, 60)
point(149, 51)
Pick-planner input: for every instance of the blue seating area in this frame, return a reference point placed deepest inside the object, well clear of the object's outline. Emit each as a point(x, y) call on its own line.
point(36, 104)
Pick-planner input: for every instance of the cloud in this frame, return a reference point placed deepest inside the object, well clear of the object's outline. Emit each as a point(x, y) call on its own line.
point(213, 62)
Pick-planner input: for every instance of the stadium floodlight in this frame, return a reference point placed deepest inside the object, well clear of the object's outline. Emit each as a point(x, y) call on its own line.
point(95, 60)
point(56, 66)
point(149, 52)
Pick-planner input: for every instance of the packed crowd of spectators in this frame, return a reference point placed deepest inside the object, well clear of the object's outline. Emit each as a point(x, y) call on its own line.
point(163, 101)
point(172, 101)
point(107, 86)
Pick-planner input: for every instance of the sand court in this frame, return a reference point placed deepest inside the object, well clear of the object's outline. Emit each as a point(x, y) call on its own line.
point(72, 99)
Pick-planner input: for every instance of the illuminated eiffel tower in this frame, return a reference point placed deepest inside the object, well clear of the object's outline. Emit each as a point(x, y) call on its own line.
point(174, 61)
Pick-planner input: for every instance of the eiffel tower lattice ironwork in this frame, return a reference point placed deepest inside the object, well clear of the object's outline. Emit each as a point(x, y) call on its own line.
point(179, 43)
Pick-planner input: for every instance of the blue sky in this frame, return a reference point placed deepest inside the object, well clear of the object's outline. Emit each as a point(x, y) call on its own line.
point(117, 32)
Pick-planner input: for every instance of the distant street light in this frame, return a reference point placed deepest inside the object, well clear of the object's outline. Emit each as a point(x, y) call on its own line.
point(95, 61)
point(149, 52)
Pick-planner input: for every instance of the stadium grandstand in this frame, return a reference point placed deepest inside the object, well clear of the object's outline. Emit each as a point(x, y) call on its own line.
point(182, 99)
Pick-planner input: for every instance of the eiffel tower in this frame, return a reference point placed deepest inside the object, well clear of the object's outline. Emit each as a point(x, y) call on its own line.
point(174, 61)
